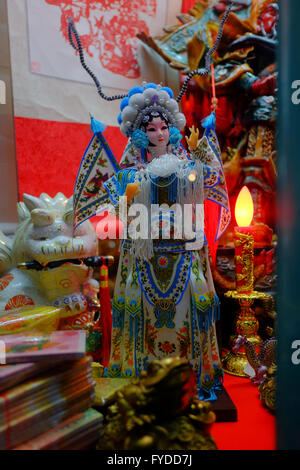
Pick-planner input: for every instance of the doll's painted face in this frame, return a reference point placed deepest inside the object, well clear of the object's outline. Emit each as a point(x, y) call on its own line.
point(158, 132)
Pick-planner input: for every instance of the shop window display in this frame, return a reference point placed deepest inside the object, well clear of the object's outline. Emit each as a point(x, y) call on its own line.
point(244, 154)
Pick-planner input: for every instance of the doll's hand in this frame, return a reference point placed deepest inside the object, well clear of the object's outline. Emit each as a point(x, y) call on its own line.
point(132, 189)
point(193, 139)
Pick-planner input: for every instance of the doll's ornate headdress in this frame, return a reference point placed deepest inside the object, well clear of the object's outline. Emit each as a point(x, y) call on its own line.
point(144, 101)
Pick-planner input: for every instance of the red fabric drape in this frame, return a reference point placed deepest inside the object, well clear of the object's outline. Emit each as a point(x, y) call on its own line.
point(49, 153)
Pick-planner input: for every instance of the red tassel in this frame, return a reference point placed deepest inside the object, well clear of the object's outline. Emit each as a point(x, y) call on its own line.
point(211, 214)
point(211, 211)
point(214, 99)
point(105, 320)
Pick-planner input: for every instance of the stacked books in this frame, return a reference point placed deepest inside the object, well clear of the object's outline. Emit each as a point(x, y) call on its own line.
point(80, 432)
point(46, 393)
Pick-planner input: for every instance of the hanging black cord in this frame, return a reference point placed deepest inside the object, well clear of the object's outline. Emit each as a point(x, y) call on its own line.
point(78, 47)
point(204, 71)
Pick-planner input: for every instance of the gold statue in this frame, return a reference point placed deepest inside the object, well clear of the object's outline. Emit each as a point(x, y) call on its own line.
point(157, 411)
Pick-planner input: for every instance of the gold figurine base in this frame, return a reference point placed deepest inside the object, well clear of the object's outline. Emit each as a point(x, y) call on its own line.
point(234, 364)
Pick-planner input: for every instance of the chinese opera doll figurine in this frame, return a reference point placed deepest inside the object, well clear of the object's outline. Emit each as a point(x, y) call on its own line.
point(164, 302)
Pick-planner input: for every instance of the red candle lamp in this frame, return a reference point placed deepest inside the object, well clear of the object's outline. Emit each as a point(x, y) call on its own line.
point(246, 324)
point(244, 242)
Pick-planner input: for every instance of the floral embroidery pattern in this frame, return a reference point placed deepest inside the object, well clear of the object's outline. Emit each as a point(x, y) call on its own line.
point(116, 354)
point(134, 281)
point(195, 270)
point(166, 347)
point(124, 274)
point(129, 351)
point(150, 337)
point(205, 351)
point(162, 261)
point(157, 285)
point(183, 338)
point(214, 350)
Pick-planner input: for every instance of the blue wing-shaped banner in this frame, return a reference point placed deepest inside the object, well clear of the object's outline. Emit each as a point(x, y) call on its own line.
point(98, 164)
point(217, 193)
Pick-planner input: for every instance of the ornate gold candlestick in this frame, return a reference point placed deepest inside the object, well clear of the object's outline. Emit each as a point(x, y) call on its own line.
point(246, 324)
